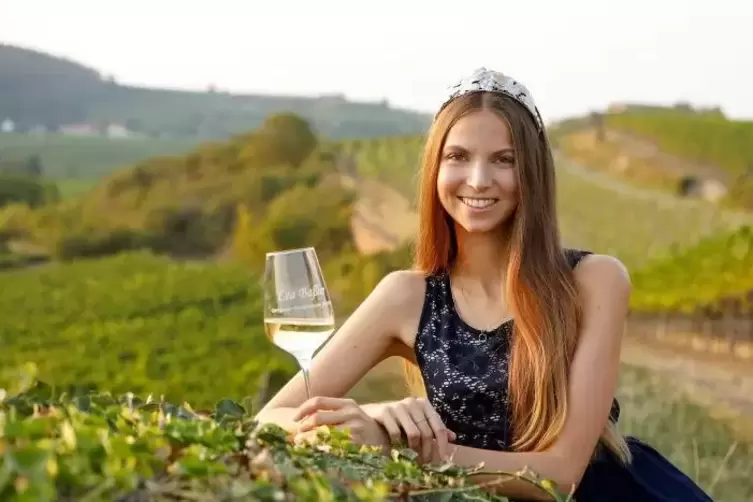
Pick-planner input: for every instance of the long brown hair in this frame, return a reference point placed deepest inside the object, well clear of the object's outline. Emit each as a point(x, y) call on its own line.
point(540, 287)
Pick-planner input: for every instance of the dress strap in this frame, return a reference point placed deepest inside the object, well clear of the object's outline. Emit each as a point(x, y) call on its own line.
point(574, 256)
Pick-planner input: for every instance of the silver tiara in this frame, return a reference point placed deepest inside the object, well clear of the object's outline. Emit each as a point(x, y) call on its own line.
point(493, 81)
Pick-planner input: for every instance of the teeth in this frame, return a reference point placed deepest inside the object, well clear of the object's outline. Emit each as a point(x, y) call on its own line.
point(478, 203)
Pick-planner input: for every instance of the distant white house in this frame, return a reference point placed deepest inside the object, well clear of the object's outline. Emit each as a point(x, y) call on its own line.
point(117, 131)
point(78, 129)
point(7, 125)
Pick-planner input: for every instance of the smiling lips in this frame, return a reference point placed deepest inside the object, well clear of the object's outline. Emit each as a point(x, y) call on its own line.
point(478, 203)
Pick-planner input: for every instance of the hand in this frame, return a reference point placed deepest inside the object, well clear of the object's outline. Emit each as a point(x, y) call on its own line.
point(340, 413)
point(424, 429)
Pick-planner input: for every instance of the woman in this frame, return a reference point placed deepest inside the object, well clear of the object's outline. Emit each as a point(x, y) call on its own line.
point(515, 340)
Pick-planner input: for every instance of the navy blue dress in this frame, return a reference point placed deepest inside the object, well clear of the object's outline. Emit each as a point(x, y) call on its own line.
point(465, 374)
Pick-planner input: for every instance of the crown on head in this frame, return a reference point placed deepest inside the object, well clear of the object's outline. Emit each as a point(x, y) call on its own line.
point(492, 81)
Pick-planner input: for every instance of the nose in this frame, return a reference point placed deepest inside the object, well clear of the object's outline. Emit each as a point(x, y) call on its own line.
point(480, 177)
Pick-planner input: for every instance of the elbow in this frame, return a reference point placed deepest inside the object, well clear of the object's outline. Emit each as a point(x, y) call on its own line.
point(568, 473)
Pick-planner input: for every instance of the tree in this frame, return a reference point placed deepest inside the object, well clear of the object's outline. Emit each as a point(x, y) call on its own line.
point(286, 138)
point(34, 165)
point(249, 241)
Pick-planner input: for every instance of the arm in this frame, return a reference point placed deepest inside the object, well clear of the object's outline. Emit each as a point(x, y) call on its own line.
point(604, 287)
point(370, 335)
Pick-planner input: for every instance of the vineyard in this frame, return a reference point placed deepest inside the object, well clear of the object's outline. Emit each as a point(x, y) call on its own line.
point(706, 138)
point(139, 323)
point(191, 332)
point(392, 160)
point(713, 277)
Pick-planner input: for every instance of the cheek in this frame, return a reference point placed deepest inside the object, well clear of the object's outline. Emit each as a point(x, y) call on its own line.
point(508, 182)
point(447, 181)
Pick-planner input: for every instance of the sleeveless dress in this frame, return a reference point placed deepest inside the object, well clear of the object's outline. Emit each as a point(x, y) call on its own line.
point(465, 374)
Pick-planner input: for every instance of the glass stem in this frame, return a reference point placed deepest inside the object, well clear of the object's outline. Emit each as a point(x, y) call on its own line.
point(307, 379)
point(305, 367)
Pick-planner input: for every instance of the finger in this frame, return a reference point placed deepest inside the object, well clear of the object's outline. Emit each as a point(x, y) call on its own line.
point(407, 424)
point(440, 431)
point(390, 424)
point(326, 417)
point(321, 403)
point(418, 413)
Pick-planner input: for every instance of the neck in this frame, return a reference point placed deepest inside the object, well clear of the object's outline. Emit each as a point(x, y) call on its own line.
point(482, 258)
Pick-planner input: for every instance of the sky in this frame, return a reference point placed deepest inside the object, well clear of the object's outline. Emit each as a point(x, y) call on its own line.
point(575, 56)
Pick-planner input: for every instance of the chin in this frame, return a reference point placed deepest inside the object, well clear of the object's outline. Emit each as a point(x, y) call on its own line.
point(476, 227)
point(481, 227)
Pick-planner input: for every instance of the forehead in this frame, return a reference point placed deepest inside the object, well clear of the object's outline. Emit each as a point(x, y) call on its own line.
point(480, 130)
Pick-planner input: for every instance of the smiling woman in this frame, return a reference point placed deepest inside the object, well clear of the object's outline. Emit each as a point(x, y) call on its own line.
point(513, 340)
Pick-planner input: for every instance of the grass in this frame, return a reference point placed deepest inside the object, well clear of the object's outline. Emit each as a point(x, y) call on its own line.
point(704, 448)
point(73, 187)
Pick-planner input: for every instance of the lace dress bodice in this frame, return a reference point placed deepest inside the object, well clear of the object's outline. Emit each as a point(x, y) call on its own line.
point(465, 370)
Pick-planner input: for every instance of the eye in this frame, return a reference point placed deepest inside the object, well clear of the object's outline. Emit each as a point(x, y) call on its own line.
point(454, 156)
point(506, 159)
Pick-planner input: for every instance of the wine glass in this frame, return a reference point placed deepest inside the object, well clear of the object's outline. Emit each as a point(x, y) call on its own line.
point(298, 315)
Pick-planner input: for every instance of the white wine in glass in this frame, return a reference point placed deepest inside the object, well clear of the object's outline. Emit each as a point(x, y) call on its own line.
point(298, 315)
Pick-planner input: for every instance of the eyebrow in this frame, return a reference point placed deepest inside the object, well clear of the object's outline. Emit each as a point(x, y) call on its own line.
point(508, 149)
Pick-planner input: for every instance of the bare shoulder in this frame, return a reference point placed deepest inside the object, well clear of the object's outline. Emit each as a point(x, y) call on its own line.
point(401, 294)
point(604, 287)
point(402, 285)
point(601, 272)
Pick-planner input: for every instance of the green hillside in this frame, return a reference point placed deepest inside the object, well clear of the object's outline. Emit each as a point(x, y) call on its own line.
point(680, 150)
point(37, 89)
point(85, 157)
point(187, 204)
point(706, 138)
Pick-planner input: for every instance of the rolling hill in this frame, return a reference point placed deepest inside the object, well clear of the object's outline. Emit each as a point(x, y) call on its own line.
point(81, 160)
point(698, 153)
point(40, 90)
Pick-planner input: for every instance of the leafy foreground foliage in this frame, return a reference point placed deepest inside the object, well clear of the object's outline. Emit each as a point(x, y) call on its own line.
point(100, 447)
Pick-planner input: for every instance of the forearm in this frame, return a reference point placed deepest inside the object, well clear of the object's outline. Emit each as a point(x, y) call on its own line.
point(546, 465)
point(281, 416)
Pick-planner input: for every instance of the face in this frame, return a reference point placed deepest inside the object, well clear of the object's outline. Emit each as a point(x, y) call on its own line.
point(477, 181)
